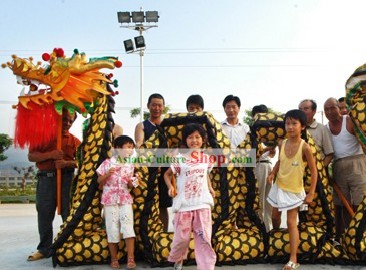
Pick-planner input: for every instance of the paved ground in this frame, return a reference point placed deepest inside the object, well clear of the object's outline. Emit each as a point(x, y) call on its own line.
point(19, 237)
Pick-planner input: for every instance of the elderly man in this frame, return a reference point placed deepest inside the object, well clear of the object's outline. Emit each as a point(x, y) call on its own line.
point(318, 132)
point(349, 169)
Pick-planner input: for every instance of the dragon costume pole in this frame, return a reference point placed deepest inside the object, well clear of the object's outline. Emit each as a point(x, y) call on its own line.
point(58, 171)
point(343, 199)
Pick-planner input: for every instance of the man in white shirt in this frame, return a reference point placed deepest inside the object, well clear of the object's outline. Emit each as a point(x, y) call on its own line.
point(234, 129)
point(349, 165)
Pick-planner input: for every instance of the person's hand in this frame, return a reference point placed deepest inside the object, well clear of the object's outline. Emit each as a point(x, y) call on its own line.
point(171, 191)
point(212, 191)
point(56, 154)
point(270, 178)
point(309, 198)
point(60, 164)
point(135, 181)
point(272, 152)
point(112, 170)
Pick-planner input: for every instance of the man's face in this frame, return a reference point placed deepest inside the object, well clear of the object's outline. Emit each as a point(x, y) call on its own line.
point(156, 107)
point(306, 107)
point(331, 110)
point(67, 121)
point(232, 110)
point(342, 108)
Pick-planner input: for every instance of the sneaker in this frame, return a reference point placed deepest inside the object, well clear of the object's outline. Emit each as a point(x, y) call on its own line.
point(178, 266)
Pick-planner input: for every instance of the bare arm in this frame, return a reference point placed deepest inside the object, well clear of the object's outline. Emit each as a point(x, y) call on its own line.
point(34, 156)
point(328, 159)
point(168, 181)
point(212, 191)
point(313, 171)
point(139, 135)
point(349, 125)
point(276, 167)
point(103, 178)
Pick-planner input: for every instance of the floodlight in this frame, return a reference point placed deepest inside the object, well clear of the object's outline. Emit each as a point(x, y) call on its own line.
point(138, 16)
point(124, 17)
point(151, 16)
point(140, 42)
point(129, 47)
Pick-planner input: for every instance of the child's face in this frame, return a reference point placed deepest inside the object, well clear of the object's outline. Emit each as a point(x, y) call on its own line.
point(194, 140)
point(125, 151)
point(293, 127)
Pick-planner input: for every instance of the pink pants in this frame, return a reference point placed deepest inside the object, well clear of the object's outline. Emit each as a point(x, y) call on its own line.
point(200, 222)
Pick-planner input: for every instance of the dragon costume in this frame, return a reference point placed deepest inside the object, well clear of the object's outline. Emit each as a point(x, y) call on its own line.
point(239, 236)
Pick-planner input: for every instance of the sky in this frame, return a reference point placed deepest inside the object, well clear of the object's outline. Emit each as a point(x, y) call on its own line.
point(266, 52)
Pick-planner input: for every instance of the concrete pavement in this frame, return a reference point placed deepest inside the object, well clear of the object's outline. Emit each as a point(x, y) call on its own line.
point(19, 238)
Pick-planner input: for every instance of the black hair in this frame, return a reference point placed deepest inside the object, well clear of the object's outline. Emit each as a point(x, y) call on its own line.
point(195, 99)
point(259, 109)
point(231, 98)
point(73, 115)
point(155, 95)
point(122, 140)
point(341, 99)
point(189, 129)
point(297, 115)
point(313, 103)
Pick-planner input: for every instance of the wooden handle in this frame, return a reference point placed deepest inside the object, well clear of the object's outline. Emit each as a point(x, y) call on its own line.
point(343, 199)
point(58, 171)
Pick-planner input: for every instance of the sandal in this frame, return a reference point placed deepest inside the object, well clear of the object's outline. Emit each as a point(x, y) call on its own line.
point(115, 264)
point(291, 266)
point(35, 256)
point(131, 263)
point(178, 266)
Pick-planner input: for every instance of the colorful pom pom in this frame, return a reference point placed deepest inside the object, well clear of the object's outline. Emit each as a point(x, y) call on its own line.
point(118, 64)
point(46, 57)
point(59, 52)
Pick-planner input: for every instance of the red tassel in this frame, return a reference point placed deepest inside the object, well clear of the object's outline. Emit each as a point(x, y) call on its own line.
point(35, 127)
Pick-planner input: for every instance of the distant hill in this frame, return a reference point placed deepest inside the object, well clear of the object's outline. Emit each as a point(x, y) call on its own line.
point(16, 158)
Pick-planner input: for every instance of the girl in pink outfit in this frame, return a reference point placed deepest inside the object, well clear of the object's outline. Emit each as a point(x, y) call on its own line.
point(116, 176)
point(193, 202)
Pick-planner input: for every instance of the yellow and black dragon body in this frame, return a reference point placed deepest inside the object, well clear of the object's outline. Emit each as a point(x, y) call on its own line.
point(239, 236)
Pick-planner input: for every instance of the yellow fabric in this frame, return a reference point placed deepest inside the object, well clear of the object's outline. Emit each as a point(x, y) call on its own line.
point(291, 172)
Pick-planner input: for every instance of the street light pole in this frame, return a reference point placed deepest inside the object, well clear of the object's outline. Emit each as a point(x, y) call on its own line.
point(138, 18)
point(141, 85)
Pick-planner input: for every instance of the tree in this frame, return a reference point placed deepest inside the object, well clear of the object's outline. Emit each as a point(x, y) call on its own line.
point(5, 143)
point(248, 115)
point(27, 173)
point(136, 112)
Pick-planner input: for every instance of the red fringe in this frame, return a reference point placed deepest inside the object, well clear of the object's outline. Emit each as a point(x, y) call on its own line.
point(36, 126)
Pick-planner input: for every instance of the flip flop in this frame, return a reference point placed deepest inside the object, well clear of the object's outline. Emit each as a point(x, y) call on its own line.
point(291, 266)
point(35, 256)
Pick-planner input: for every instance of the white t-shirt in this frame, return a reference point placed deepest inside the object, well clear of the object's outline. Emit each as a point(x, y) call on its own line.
point(192, 187)
point(235, 133)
